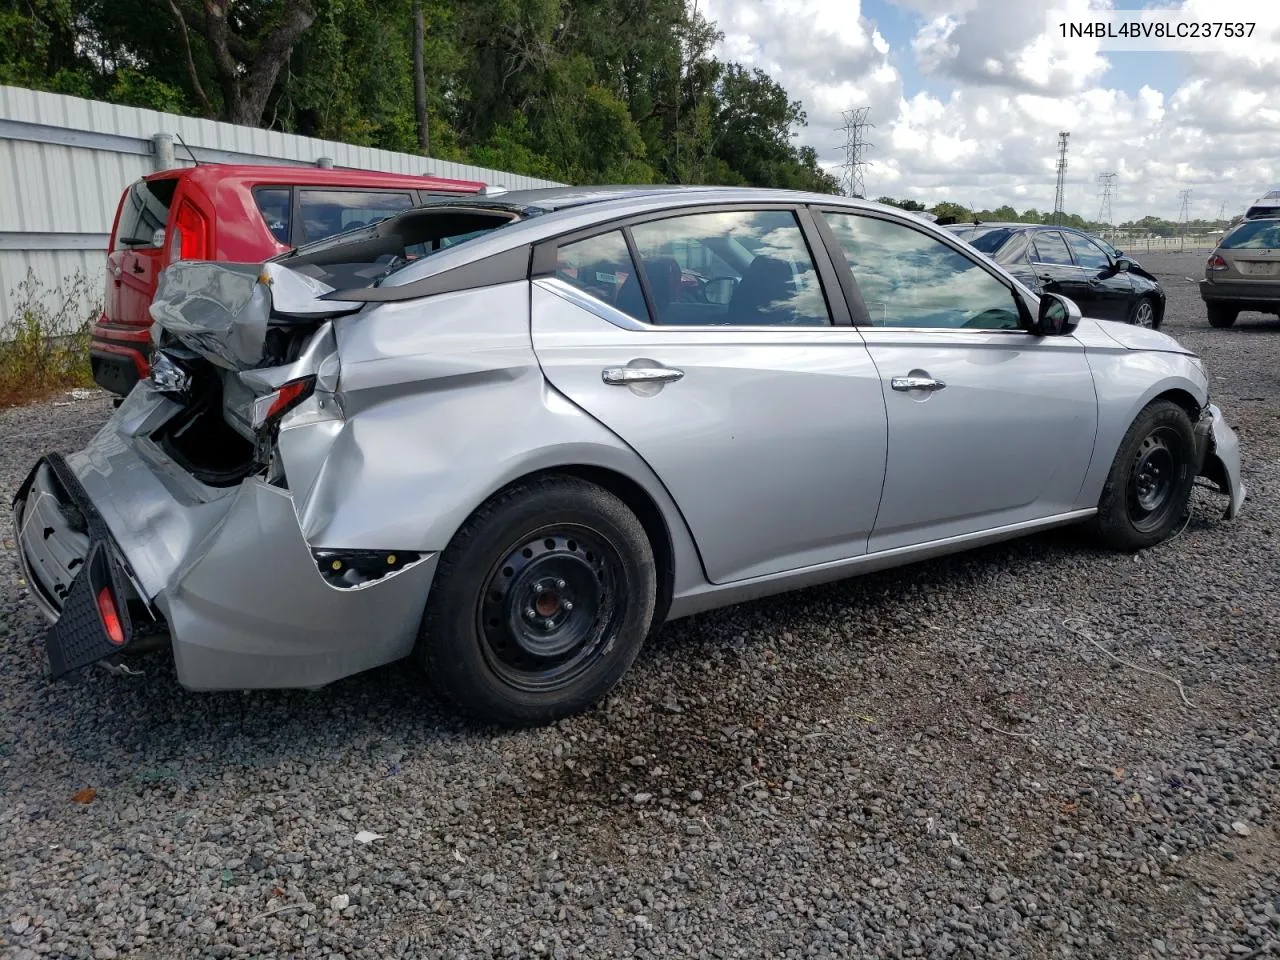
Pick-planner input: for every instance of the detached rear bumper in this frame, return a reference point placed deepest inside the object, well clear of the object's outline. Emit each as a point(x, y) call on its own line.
point(227, 570)
point(1221, 463)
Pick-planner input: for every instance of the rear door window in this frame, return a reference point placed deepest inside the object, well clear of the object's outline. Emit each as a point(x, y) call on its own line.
point(601, 266)
point(1049, 247)
point(274, 203)
point(145, 210)
point(327, 212)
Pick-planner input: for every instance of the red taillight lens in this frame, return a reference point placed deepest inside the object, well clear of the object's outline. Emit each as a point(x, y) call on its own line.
point(190, 239)
point(275, 405)
point(110, 618)
point(1217, 263)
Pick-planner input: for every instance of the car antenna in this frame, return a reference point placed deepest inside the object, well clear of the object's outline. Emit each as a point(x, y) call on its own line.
point(188, 149)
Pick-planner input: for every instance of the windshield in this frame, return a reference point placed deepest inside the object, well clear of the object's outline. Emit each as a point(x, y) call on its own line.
point(1253, 235)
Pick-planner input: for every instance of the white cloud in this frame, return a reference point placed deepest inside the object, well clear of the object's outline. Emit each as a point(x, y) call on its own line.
point(992, 138)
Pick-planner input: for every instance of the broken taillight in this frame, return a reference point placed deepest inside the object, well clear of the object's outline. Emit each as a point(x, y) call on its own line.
point(1216, 263)
point(270, 408)
point(110, 618)
point(189, 238)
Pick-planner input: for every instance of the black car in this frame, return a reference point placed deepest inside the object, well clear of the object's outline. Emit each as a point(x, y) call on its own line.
point(1104, 282)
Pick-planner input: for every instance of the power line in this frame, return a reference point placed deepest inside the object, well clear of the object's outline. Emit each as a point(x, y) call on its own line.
point(1059, 214)
point(852, 183)
point(1107, 181)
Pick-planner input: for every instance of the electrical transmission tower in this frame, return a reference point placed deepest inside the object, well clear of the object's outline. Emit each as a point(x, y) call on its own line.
point(855, 126)
point(1222, 211)
point(1059, 214)
point(1106, 181)
point(1184, 216)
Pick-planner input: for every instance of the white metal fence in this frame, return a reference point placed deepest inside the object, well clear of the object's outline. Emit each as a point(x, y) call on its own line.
point(64, 162)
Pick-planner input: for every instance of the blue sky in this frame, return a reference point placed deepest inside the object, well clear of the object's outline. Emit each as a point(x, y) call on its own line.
point(967, 98)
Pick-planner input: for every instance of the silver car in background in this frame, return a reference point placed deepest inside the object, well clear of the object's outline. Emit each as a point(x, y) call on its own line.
point(510, 436)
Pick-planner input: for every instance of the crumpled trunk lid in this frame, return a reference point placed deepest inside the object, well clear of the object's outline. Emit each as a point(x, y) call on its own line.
point(223, 311)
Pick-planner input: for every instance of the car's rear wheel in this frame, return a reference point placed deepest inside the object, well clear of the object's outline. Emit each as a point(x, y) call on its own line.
point(540, 603)
point(1149, 486)
point(1143, 314)
point(1221, 315)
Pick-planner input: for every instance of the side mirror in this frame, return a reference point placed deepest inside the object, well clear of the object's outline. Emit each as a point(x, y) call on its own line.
point(1123, 264)
point(1057, 316)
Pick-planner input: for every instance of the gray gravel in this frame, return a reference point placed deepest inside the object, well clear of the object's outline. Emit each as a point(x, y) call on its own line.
point(922, 763)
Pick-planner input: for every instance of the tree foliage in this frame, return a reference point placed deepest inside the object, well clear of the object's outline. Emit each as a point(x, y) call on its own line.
point(586, 91)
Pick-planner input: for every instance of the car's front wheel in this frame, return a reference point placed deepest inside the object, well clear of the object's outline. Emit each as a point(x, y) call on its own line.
point(1144, 314)
point(540, 603)
point(1149, 486)
point(1221, 315)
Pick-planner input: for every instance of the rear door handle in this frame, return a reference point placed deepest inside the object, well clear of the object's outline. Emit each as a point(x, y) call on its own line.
point(139, 268)
point(621, 376)
point(916, 383)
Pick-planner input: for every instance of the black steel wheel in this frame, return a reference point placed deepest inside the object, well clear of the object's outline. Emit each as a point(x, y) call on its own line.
point(540, 603)
point(549, 606)
point(1147, 490)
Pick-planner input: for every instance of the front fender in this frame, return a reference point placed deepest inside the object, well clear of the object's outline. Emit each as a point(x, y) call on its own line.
point(1126, 381)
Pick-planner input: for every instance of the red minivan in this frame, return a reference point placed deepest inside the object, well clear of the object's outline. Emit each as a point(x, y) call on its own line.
point(238, 213)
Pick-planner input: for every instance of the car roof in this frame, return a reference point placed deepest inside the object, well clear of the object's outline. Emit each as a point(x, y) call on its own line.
point(266, 173)
point(552, 212)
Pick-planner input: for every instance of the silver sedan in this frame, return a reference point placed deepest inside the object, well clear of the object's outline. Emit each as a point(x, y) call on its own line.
point(511, 435)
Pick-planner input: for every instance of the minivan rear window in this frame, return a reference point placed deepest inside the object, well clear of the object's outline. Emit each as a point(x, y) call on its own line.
point(1253, 235)
point(145, 210)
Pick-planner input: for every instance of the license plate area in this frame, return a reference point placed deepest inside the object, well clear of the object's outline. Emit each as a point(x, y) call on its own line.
point(1259, 268)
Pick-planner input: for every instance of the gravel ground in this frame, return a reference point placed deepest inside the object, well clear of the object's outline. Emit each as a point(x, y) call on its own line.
point(941, 761)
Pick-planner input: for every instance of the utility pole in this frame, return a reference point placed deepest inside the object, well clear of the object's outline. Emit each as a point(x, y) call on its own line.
point(1184, 216)
point(420, 78)
point(1107, 181)
point(852, 183)
point(1059, 213)
point(1222, 211)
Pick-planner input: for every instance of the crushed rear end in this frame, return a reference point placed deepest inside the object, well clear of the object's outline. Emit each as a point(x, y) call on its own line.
point(179, 522)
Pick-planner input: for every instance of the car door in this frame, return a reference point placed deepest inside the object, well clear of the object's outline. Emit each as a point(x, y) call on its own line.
point(752, 399)
point(1107, 289)
point(989, 426)
point(1054, 269)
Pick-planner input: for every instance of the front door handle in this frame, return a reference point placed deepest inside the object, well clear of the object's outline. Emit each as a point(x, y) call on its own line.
point(916, 383)
point(622, 376)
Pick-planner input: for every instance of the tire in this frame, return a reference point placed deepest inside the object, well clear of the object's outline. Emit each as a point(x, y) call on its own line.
point(554, 550)
point(1144, 314)
point(1149, 486)
point(1221, 315)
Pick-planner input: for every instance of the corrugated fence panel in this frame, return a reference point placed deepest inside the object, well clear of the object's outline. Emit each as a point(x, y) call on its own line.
point(64, 161)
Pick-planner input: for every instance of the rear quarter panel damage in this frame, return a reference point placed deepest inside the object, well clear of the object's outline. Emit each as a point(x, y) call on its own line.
point(440, 404)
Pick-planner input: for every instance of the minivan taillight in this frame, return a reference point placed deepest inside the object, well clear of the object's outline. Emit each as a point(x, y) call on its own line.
point(190, 237)
point(1216, 263)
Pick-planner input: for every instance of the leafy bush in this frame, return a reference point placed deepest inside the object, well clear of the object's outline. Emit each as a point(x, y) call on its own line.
point(46, 345)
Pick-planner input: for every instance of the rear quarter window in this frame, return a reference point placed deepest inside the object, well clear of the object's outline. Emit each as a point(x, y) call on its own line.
point(275, 204)
point(328, 212)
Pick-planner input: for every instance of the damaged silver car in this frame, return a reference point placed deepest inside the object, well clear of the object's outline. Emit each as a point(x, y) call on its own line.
point(510, 436)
